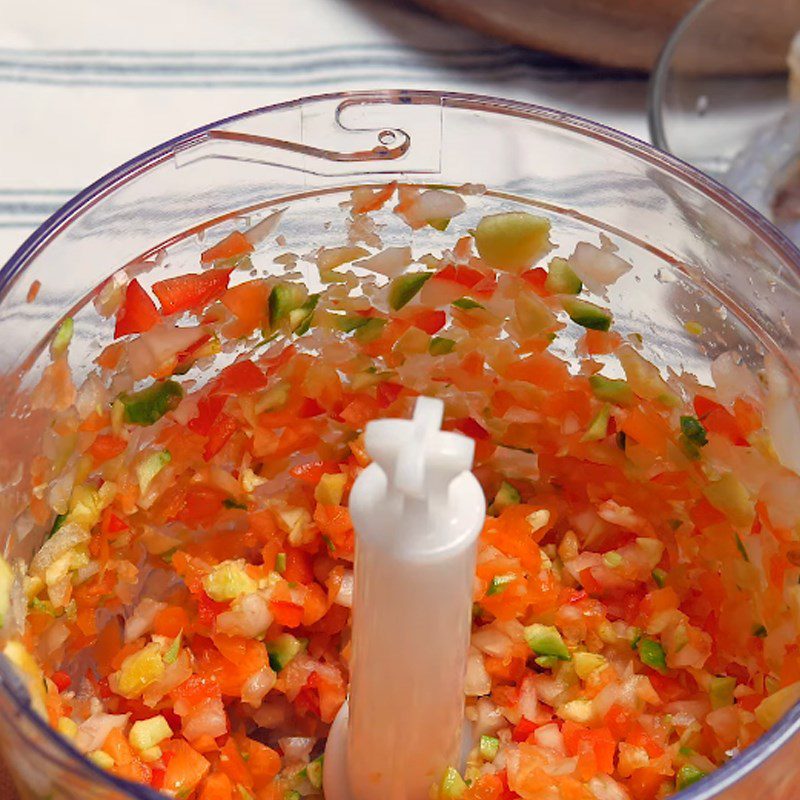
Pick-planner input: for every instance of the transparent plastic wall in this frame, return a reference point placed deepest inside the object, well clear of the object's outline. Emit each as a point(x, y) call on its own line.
point(699, 254)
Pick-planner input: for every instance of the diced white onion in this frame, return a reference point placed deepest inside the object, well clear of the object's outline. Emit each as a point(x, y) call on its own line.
point(598, 267)
point(257, 686)
point(344, 596)
point(549, 736)
point(296, 749)
point(492, 641)
point(250, 617)
point(142, 618)
point(207, 719)
point(93, 732)
point(478, 682)
point(264, 228)
point(389, 262)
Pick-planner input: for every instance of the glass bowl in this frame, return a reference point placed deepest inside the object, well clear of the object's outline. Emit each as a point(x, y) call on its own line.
point(699, 253)
point(732, 121)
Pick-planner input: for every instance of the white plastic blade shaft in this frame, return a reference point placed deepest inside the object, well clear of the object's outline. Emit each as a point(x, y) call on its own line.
point(417, 512)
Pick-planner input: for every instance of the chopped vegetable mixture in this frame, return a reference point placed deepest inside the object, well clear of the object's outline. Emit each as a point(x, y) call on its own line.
point(636, 606)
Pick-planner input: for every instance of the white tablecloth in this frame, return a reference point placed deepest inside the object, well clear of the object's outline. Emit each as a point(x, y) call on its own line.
point(86, 84)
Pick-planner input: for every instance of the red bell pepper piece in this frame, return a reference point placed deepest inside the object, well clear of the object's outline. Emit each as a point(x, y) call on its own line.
point(138, 312)
point(191, 292)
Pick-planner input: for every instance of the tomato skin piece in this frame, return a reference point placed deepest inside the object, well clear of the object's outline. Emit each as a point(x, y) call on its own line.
point(242, 377)
point(233, 245)
point(717, 419)
point(469, 427)
point(61, 680)
point(222, 429)
point(312, 472)
point(191, 292)
point(138, 312)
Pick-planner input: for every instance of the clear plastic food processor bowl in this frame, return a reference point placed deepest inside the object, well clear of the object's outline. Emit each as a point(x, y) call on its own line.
point(699, 255)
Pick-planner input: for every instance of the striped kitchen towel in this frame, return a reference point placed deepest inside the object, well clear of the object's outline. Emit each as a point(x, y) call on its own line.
point(86, 85)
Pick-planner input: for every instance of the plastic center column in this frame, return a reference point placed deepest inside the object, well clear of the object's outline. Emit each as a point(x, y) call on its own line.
point(417, 511)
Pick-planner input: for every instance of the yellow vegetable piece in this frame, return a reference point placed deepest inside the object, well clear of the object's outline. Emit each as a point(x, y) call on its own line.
point(587, 663)
point(147, 733)
point(330, 489)
point(66, 727)
point(776, 705)
point(102, 759)
point(512, 241)
point(140, 670)
point(227, 581)
point(29, 671)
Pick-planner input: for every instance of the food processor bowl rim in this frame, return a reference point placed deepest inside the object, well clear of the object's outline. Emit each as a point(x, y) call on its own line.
point(730, 772)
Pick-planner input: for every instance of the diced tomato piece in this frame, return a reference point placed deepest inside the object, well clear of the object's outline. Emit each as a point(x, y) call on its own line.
point(645, 783)
point(523, 729)
point(298, 566)
point(191, 292)
point(649, 429)
point(618, 719)
point(535, 278)
point(233, 245)
point(309, 407)
point(360, 410)
point(262, 762)
point(222, 429)
point(248, 302)
point(469, 427)
point(605, 746)
point(138, 312)
point(242, 377)
point(157, 781)
point(105, 447)
point(170, 621)
point(201, 505)
point(289, 615)
point(429, 320)
point(541, 369)
point(208, 409)
point(208, 609)
point(387, 392)
point(185, 770)
point(61, 680)
point(465, 276)
point(217, 786)
point(196, 690)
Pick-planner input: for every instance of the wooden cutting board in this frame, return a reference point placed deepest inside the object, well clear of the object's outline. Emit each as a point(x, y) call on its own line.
point(751, 37)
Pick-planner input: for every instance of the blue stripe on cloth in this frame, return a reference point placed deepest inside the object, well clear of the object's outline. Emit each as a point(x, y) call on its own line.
point(229, 69)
